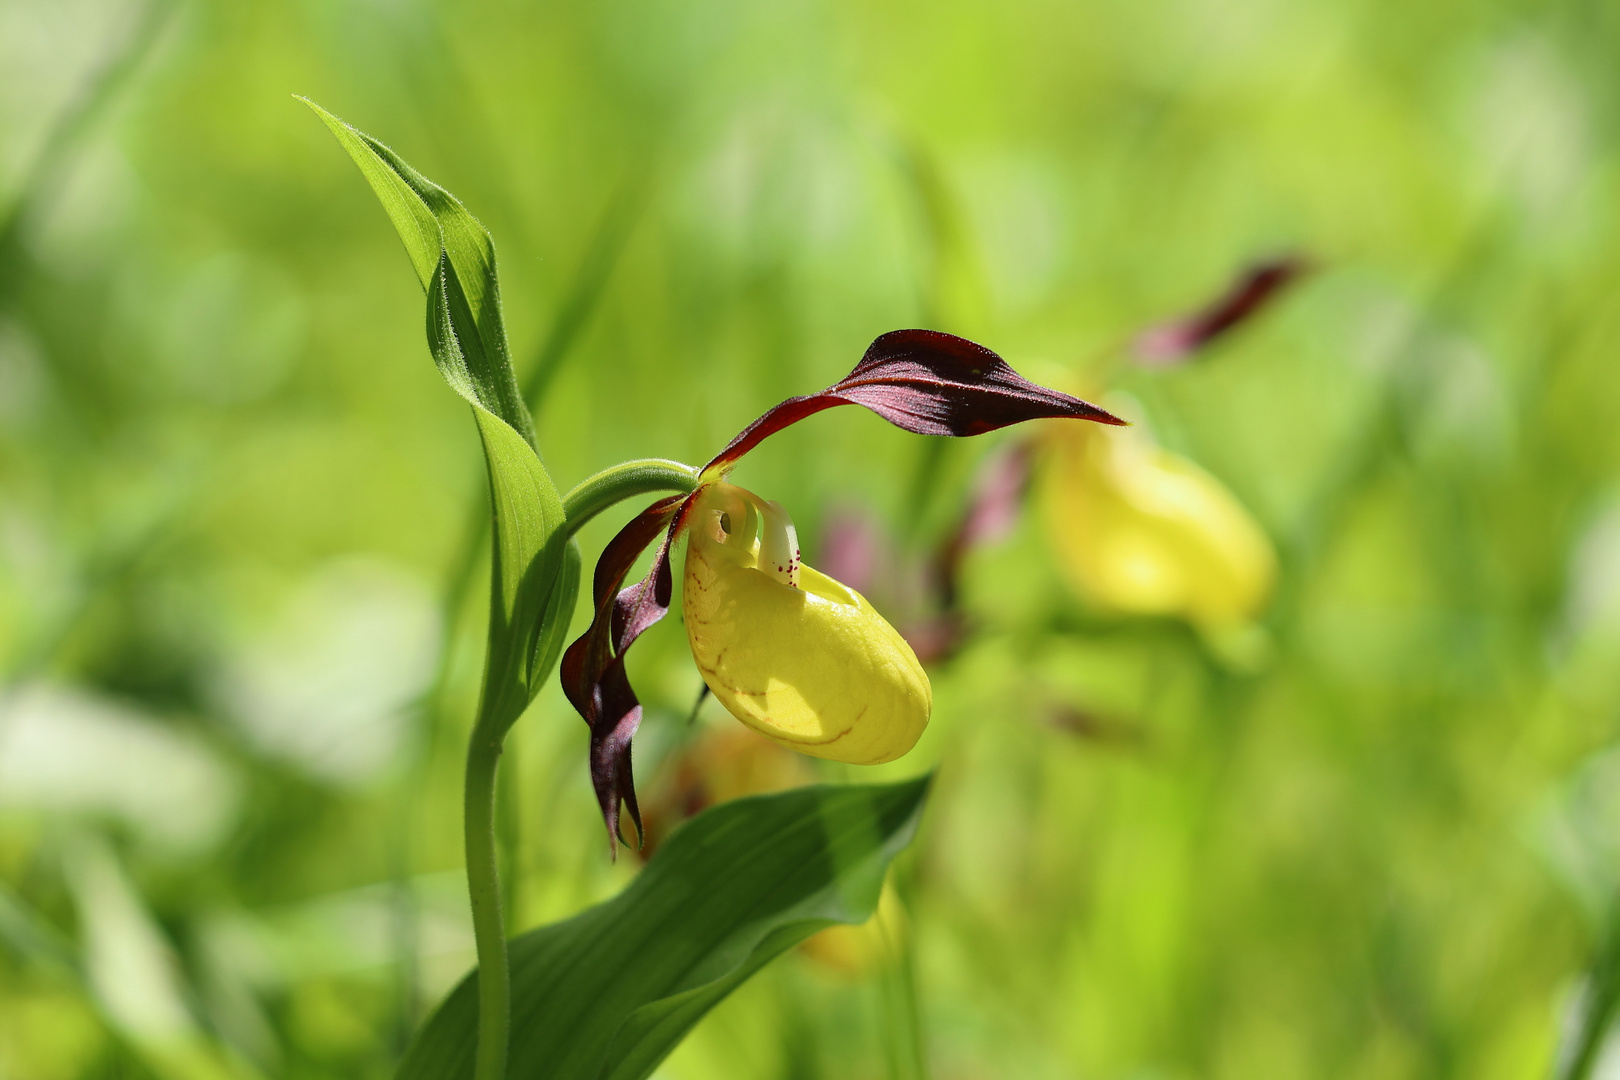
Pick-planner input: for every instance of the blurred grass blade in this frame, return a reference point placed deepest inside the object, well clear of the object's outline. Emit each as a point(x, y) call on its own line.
point(608, 994)
point(590, 283)
point(954, 290)
point(133, 973)
point(47, 177)
point(31, 938)
point(1591, 1032)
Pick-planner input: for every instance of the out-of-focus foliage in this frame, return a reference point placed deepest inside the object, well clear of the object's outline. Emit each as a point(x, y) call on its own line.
point(1145, 532)
point(234, 495)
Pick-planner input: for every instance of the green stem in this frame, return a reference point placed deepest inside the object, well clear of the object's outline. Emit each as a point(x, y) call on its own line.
point(624, 481)
point(483, 758)
point(484, 888)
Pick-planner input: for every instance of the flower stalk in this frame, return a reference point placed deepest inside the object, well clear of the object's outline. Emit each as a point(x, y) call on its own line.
point(489, 923)
point(623, 481)
point(626, 480)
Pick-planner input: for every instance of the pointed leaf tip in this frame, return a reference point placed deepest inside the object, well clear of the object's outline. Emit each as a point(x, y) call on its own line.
point(454, 259)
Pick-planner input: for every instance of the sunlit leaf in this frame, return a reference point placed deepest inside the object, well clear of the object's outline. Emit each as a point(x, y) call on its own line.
point(454, 260)
point(608, 994)
point(527, 570)
point(559, 610)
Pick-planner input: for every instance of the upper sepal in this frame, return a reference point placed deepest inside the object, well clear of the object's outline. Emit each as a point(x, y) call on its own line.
point(926, 382)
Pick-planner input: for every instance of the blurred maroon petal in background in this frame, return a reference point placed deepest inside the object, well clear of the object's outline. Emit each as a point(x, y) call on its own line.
point(1175, 342)
point(992, 512)
point(855, 551)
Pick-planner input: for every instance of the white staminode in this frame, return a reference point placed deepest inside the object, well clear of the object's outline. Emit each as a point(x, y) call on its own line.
point(778, 544)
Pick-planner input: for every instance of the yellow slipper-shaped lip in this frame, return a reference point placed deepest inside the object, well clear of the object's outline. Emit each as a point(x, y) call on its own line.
point(788, 651)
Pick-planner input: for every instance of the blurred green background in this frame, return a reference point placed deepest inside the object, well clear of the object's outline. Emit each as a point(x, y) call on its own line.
point(234, 497)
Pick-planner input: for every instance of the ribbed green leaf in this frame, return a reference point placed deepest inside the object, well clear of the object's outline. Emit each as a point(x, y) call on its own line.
point(454, 259)
point(527, 575)
point(559, 608)
point(608, 994)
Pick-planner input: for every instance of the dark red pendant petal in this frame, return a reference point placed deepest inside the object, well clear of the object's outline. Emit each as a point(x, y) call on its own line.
point(592, 672)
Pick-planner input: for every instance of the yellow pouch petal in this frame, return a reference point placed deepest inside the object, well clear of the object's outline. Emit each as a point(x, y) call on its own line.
point(811, 667)
point(1142, 530)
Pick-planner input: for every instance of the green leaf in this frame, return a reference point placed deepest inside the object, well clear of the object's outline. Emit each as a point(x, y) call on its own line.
point(559, 610)
point(608, 994)
point(528, 575)
point(454, 259)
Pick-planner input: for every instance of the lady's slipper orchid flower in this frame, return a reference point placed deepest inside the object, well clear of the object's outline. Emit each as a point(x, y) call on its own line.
point(1143, 531)
point(790, 652)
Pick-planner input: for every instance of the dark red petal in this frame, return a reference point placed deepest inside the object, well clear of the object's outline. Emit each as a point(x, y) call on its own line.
point(926, 382)
point(611, 775)
point(593, 673)
point(1173, 342)
point(643, 603)
point(586, 659)
point(621, 552)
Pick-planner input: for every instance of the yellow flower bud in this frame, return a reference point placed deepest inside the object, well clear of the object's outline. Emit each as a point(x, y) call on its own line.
point(790, 652)
point(1144, 531)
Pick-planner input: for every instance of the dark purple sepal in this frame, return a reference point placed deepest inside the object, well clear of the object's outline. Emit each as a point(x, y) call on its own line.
point(1174, 342)
point(592, 671)
point(928, 383)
